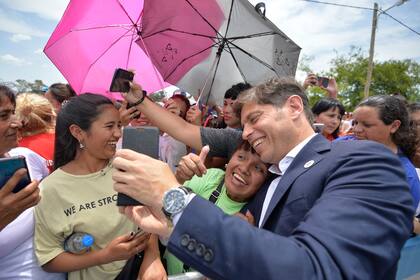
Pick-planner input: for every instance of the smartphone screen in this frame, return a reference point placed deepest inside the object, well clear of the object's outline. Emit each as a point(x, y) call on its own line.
point(8, 167)
point(120, 81)
point(144, 140)
point(318, 127)
point(323, 81)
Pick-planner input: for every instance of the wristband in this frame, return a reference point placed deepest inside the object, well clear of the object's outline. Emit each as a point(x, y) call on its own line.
point(138, 102)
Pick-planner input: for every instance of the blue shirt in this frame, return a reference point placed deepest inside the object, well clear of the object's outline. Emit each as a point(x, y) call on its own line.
point(410, 171)
point(412, 178)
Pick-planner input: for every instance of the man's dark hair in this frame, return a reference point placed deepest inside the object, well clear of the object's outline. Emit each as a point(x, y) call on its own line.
point(275, 92)
point(235, 90)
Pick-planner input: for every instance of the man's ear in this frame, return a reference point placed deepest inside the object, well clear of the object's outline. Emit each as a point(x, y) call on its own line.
point(395, 125)
point(77, 132)
point(295, 105)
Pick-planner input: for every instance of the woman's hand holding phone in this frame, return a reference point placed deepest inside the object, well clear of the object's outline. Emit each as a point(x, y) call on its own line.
point(124, 247)
point(13, 204)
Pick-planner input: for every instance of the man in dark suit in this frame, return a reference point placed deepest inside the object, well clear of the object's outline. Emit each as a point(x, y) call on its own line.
point(331, 211)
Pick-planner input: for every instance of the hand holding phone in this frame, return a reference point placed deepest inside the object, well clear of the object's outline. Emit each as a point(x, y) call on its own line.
point(8, 167)
point(121, 80)
point(15, 195)
point(323, 82)
point(318, 127)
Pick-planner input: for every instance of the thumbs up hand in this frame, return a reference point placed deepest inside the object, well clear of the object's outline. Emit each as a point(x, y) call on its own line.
point(191, 165)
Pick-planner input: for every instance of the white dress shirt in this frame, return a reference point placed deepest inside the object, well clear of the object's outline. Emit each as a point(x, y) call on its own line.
point(279, 170)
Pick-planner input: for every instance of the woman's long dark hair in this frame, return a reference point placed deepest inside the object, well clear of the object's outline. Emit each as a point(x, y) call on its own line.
point(61, 92)
point(324, 105)
point(391, 108)
point(82, 111)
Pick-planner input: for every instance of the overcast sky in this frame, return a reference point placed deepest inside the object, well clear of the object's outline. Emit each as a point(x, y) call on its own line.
point(319, 30)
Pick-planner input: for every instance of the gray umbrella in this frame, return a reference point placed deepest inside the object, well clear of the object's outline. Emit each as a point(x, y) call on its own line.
point(246, 48)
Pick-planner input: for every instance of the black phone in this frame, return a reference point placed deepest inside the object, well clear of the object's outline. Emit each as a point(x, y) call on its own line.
point(141, 139)
point(120, 81)
point(8, 167)
point(323, 81)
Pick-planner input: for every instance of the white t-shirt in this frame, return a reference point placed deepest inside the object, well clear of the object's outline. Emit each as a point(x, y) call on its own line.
point(171, 150)
point(37, 165)
point(17, 256)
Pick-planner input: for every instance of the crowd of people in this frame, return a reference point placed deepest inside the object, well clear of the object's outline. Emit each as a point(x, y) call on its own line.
point(248, 190)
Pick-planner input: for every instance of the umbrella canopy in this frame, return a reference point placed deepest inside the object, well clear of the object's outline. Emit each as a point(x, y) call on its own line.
point(246, 48)
point(94, 37)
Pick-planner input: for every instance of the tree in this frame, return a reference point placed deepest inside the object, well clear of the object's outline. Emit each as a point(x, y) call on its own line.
point(21, 85)
point(389, 77)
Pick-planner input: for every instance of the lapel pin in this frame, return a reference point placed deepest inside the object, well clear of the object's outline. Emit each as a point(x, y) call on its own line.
point(309, 163)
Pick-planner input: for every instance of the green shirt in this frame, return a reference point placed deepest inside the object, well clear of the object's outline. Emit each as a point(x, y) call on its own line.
point(204, 186)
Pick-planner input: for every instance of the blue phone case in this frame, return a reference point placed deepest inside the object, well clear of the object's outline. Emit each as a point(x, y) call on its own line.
point(8, 167)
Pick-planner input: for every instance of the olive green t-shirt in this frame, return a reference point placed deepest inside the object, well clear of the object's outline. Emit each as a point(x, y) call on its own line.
point(82, 203)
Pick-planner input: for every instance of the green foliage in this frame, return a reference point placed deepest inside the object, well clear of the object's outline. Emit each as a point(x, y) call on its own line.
point(349, 70)
point(21, 85)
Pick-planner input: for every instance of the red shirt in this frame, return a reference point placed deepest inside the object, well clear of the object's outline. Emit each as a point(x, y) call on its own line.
point(42, 144)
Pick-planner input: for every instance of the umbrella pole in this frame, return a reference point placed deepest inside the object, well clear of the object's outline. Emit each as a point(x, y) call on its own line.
point(216, 59)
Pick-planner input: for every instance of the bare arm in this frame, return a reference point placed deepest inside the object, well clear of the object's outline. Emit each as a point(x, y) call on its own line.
point(175, 126)
point(152, 267)
point(121, 248)
point(67, 262)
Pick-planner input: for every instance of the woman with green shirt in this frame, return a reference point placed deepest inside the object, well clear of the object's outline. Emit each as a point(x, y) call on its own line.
point(244, 175)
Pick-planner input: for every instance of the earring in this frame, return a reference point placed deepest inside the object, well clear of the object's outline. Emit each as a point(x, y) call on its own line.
point(81, 145)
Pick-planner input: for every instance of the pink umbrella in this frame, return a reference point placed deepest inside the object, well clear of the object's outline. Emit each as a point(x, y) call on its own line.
point(94, 37)
point(247, 47)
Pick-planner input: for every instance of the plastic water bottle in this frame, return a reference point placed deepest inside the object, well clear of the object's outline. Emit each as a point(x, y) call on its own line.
point(78, 243)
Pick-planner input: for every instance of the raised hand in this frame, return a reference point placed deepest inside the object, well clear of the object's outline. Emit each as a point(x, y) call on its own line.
point(191, 165)
point(126, 115)
point(332, 88)
point(311, 80)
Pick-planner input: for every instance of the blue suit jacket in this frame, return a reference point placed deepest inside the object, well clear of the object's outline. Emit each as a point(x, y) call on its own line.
point(346, 216)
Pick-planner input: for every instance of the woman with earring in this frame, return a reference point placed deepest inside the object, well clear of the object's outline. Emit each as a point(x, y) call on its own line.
point(79, 197)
